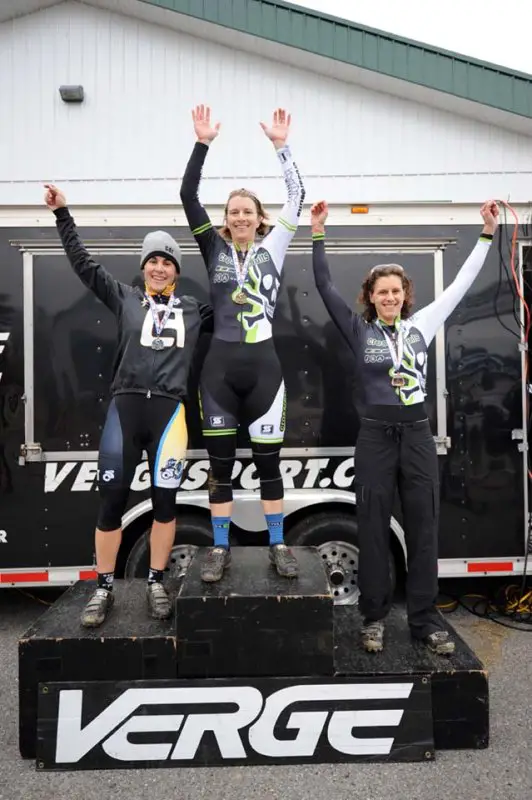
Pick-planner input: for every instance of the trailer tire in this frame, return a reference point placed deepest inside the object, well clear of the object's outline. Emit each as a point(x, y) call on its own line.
point(192, 533)
point(335, 535)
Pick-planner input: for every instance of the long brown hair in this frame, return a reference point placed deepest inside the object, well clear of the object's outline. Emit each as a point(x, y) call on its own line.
point(368, 286)
point(263, 228)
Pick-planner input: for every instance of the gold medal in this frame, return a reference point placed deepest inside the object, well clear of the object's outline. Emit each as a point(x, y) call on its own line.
point(240, 298)
point(398, 380)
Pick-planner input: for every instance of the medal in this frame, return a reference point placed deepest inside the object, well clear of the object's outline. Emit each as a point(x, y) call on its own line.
point(397, 379)
point(158, 324)
point(241, 273)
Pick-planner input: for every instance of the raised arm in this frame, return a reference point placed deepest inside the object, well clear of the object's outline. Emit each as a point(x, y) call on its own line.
point(341, 314)
point(433, 316)
point(279, 238)
point(198, 219)
point(93, 275)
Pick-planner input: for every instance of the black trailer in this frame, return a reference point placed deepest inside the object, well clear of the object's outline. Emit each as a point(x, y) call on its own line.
point(56, 346)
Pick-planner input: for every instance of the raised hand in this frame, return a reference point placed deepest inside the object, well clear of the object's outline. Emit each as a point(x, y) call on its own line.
point(490, 215)
point(205, 132)
point(54, 197)
point(279, 129)
point(318, 214)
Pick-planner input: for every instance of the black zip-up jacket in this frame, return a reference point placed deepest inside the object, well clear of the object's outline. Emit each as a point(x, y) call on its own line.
point(138, 368)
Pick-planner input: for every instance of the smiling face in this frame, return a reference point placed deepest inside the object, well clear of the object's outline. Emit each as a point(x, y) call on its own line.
point(242, 218)
point(159, 272)
point(388, 296)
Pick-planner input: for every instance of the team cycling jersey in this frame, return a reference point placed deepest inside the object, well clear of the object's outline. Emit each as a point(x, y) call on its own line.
point(251, 321)
point(384, 383)
point(138, 367)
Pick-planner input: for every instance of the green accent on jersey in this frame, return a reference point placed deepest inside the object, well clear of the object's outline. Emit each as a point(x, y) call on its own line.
point(248, 319)
point(200, 404)
point(283, 415)
point(202, 229)
point(287, 225)
point(266, 441)
point(219, 433)
point(317, 237)
point(411, 381)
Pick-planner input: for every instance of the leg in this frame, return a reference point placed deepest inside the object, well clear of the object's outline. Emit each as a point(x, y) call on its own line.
point(376, 458)
point(219, 411)
point(120, 451)
point(265, 406)
point(167, 448)
point(419, 491)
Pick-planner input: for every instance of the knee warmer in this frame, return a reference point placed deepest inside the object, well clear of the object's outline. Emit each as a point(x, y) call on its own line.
point(220, 484)
point(112, 507)
point(267, 461)
point(221, 451)
point(163, 501)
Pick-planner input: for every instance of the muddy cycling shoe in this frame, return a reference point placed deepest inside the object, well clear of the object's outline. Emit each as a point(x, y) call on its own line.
point(440, 643)
point(284, 561)
point(372, 635)
point(158, 601)
point(97, 609)
point(216, 560)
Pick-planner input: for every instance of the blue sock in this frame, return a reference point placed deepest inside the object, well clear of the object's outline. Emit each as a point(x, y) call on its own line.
point(275, 528)
point(220, 526)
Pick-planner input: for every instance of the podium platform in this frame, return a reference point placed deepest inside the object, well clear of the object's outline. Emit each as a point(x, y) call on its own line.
point(129, 646)
point(254, 622)
point(460, 694)
point(230, 656)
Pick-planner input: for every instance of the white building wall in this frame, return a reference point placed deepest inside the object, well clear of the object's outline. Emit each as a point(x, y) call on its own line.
point(129, 141)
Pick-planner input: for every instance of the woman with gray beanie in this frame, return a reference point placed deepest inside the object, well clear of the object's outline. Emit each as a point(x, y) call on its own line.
point(157, 335)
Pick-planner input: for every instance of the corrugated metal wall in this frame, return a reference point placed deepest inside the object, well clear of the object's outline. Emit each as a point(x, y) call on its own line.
point(129, 141)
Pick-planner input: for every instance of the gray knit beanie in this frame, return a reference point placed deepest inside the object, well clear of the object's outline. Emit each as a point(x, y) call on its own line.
point(160, 243)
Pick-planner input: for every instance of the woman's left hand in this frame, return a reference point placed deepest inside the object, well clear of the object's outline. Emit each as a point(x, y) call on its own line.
point(278, 132)
point(490, 215)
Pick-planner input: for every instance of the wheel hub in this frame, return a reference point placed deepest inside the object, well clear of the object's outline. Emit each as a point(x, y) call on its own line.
point(341, 564)
point(181, 559)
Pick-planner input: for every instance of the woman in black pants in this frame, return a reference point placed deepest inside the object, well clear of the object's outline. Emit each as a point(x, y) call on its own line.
point(395, 447)
point(157, 336)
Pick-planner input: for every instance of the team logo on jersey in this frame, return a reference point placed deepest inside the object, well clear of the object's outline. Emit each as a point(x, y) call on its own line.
point(217, 422)
point(108, 475)
point(267, 429)
point(172, 470)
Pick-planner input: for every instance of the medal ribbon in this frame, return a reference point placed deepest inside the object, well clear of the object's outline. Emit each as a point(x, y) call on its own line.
point(242, 270)
point(397, 355)
point(158, 323)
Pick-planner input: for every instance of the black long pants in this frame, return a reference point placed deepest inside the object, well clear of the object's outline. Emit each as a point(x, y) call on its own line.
point(402, 455)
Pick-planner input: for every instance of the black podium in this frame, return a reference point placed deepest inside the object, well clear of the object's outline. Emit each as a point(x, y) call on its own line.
point(253, 669)
point(130, 646)
point(253, 622)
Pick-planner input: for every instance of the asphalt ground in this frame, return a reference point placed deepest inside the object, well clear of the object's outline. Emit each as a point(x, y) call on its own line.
point(501, 772)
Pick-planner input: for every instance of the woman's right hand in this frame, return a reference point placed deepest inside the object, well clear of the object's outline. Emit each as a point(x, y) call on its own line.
point(54, 197)
point(318, 215)
point(201, 117)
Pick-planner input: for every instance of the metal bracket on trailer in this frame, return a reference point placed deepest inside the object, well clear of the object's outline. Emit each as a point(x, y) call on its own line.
point(518, 435)
point(443, 444)
point(30, 451)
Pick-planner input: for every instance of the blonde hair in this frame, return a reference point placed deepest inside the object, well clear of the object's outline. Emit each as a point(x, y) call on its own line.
point(263, 228)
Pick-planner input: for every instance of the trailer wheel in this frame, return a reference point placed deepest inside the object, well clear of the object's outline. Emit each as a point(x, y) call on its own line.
point(335, 535)
point(192, 533)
